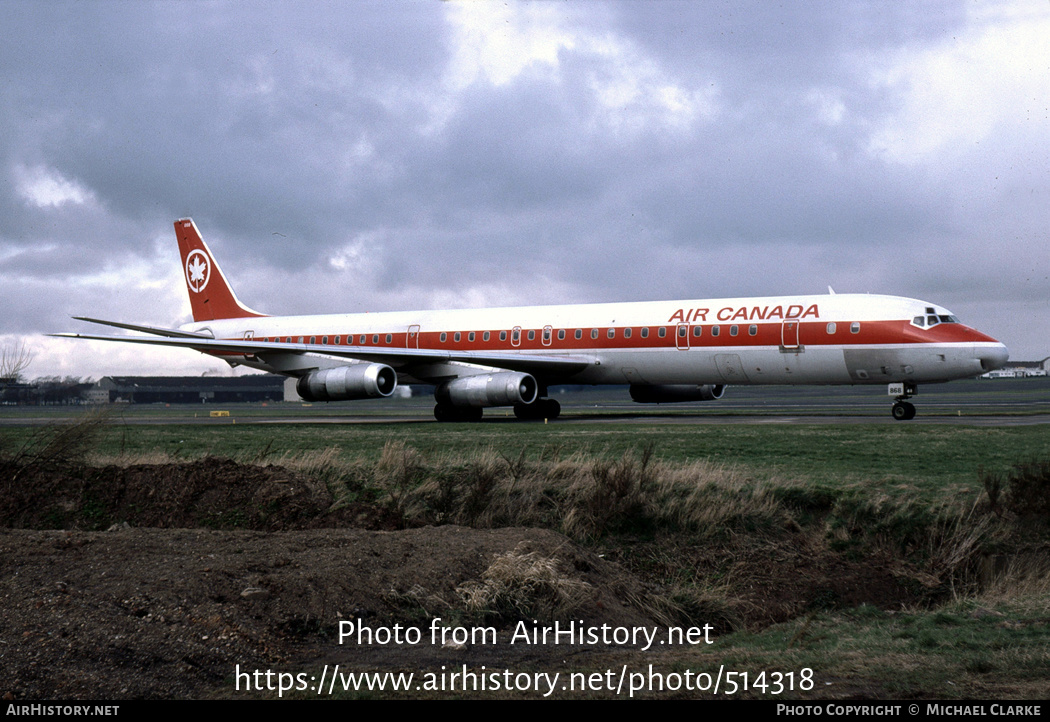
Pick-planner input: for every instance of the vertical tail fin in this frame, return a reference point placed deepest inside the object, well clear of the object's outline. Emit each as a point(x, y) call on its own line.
point(211, 297)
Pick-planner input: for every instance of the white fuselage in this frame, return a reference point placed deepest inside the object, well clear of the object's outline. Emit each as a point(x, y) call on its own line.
point(828, 339)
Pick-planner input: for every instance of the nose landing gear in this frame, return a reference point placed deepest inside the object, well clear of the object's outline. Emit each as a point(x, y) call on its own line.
point(902, 410)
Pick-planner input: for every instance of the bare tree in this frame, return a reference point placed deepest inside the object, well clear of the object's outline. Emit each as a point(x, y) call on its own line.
point(15, 358)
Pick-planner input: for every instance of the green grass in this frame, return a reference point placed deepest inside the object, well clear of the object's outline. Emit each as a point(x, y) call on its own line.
point(954, 652)
point(929, 461)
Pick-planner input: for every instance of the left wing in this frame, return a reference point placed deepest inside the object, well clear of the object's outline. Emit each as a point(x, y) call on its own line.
point(399, 358)
point(174, 333)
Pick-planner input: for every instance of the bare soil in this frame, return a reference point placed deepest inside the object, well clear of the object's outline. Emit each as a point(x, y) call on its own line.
point(209, 567)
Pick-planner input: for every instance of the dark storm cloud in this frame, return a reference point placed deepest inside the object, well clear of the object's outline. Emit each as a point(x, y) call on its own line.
point(242, 110)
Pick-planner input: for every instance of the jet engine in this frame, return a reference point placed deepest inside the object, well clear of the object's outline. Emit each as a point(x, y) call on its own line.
point(347, 383)
point(671, 393)
point(496, 389)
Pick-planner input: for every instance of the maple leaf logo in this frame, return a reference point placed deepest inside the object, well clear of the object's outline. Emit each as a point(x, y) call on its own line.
point(197, 271)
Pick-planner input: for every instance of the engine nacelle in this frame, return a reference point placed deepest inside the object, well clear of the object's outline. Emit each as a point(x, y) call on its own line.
point(671, 393)
point(504, 388)
point(347, 383)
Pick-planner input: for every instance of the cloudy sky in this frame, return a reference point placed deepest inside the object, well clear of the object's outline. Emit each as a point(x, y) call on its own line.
point(354, 156)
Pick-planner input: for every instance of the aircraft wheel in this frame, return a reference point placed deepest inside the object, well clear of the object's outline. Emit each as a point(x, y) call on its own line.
point(551, 409)
point(448, 412)
point(525, 412)
point(538, 409)
point(443, 412)
point(903, 411)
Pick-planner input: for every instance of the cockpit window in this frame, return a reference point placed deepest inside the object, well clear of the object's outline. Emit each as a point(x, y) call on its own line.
point(932, 319)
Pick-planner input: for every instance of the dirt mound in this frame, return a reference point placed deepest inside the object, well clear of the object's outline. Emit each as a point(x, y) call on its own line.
point(212, 493)
point(170, 613)
point(212, 565)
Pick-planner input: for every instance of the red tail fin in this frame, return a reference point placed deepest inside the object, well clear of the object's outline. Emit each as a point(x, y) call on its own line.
point(211, 297)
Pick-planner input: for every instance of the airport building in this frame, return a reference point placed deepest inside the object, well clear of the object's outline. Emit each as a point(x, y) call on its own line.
point(186, 389)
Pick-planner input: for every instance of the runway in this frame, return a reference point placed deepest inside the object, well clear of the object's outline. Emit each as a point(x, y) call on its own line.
point(571, 418)
point(977, 403)
point(689, 420)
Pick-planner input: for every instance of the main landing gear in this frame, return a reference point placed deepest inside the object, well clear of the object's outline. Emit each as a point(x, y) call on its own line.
point(538, 409)
point(902, 410)
point(450, 412)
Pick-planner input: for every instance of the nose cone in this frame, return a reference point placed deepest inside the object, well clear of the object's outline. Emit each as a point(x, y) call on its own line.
point(993, 356)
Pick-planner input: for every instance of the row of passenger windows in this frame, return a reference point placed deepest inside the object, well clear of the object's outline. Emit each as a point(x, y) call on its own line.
point(627, 332)
point(362, 340)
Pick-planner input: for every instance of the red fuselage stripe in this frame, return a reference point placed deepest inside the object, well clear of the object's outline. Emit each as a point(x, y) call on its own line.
point(740, 335)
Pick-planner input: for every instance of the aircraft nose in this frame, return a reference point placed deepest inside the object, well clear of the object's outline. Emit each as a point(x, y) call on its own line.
point(993, 356)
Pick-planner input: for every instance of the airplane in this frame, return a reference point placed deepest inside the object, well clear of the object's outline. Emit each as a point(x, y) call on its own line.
point(666, 351)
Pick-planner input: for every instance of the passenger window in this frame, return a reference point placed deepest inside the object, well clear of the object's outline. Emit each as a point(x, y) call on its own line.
point(752, 330)
point(734, 330)
point(502, 335)
point(698, 331)
point(579, 333)
point(485, 336)
point(831, 328)
point(364, 339)
point(561, 334)
point(375, 338)
point(612, 333)
point(594, 333)
point(444, 337)
point(313, 340)
point(389, 338)
point(337, 340)
point(470, 337)
point(715, 330)
point(532, 335)
point(854, 327)
point(682, 331)
point(661, 332)
point(515, 335)
point(645, 332)
point(300, 339)
point(627, 332)
point(457, 337)
point(546, 334)
point(324, 340)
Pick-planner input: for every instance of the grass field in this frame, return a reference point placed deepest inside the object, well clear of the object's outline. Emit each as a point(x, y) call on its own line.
point(909, 495)
point(932, 461)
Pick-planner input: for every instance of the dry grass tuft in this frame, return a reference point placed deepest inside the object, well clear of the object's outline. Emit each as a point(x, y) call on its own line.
point(125, 460)
point(1018, 580)
point(583, 497)
point(524, 585)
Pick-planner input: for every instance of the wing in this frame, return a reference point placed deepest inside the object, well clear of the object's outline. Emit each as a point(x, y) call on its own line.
point(401, 359)
point(174, 333)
